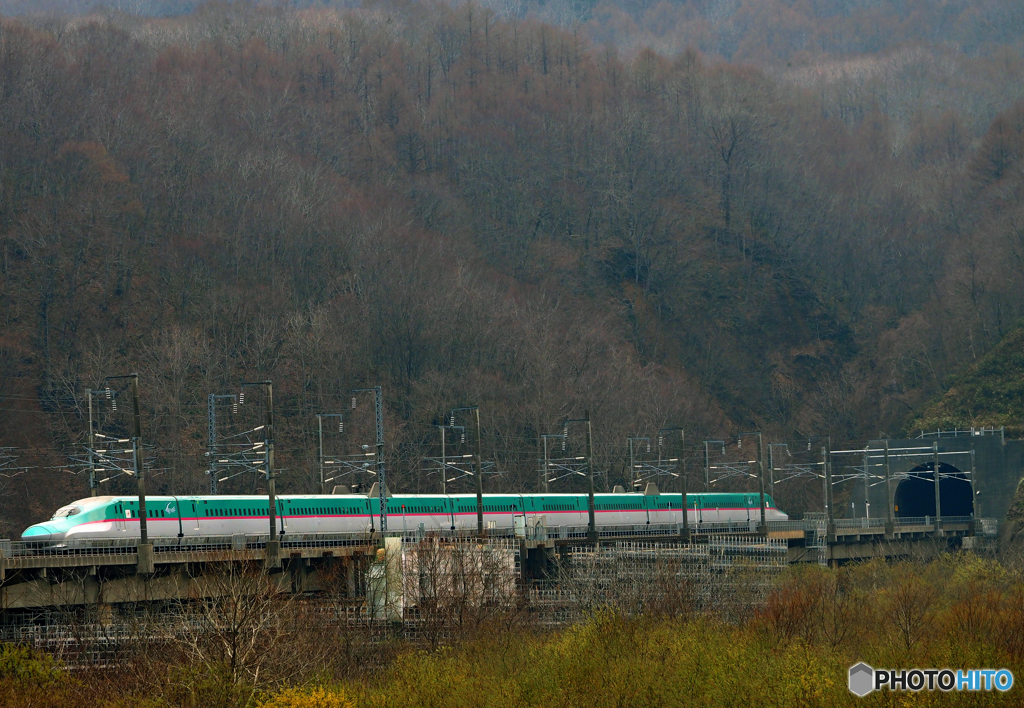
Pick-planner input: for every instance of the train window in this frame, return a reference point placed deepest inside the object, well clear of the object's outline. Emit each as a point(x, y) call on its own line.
point(66, 511)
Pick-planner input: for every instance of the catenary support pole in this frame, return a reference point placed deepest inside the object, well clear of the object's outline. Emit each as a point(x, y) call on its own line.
point(867, 488)
point(938, 493)
point(591, 516)
point(378, 413)
point(760, 479)
point(889, 500)
point(211, 440)
point(681, 466)
point(545, 470)
point(479, 477)
point(271, 480)
point(828, 486)
point(93, 491)
point(707, 468)
point(140, 474)
point(378, 455)
point(633, 486)
point(975, 502)
point(320, 451)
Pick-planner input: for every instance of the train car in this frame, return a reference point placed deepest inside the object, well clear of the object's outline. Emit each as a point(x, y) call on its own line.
point(111, 517)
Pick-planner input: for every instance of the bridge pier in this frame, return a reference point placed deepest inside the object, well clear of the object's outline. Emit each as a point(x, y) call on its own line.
point(272, 556)
point(104, 614)
point(145, 564)
point(298, 570)
point(536, 562)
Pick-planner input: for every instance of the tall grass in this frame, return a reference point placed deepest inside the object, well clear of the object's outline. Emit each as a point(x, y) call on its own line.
point(958, 611)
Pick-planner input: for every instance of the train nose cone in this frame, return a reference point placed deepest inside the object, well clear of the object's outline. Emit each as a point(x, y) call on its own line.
point(39, 533)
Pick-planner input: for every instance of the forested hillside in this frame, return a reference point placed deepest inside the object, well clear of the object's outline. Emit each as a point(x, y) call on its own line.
point(988, 394)
point(469, 206)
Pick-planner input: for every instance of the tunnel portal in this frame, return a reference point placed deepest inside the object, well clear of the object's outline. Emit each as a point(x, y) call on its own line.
point(915, 495)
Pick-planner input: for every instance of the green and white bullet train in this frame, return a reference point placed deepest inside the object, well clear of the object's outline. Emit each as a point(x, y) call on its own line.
point(118, 517)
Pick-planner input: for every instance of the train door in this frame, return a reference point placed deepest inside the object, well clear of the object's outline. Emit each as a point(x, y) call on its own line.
point(283, 515)
point(661, 509)
point(519, 516)
point(119, 517)
point(195, 518)
point(450, 509)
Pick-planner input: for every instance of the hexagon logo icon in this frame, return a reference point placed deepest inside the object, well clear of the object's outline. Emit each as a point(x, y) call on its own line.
point(862, 679)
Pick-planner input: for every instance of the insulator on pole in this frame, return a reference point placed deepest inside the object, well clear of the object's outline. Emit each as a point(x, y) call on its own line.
point(353, 402)
point(341, 425)
point(241, 398)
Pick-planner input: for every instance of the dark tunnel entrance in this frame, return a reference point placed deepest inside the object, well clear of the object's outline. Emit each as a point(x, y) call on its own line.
point(915, 495)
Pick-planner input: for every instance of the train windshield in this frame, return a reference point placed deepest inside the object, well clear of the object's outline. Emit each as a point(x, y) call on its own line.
point(66, 511)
